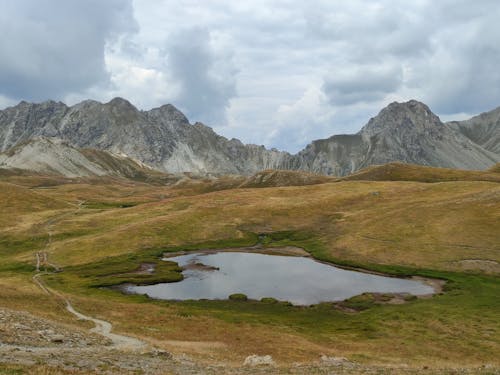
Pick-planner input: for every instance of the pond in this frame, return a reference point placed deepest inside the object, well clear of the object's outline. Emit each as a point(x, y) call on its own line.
point(299, 280)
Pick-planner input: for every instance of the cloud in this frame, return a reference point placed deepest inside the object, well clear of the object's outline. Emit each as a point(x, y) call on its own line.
point(461, 74)
point(50, 49)
point(275, 73)
point(313, 117)
point(362, 84)
point(6, 102)
point(204, 74)
point(365, 30)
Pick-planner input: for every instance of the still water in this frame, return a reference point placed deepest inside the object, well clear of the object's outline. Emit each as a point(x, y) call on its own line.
point(299, 280)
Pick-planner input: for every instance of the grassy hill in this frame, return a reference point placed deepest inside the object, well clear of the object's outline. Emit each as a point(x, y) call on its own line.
point(276, 178)
point(388, 219)
point(412, 172)
point(495, 168)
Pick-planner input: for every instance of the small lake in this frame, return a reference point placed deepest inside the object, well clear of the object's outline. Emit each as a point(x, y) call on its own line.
point(299, 280)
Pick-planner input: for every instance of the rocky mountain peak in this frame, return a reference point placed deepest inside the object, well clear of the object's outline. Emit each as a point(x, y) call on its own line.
point(122, 108)
point(412, 105)
point(168, 113)
point(163, 138)
point(411, 116)
point(120, 103)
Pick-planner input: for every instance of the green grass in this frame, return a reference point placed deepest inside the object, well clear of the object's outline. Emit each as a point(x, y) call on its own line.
point(13, 245)
point(361, 302)
point(123, 269)
point(238, 297)
point(111, 271)
point(269, 300)
point(466, 306)
point(11, 370)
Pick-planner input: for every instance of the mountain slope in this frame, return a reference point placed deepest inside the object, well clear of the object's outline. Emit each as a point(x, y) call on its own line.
point(405, 132)
point(495, 168)
point(275, 178)
point(163, 139)
point(483, 129)
point(411, 172)
point(57, 157)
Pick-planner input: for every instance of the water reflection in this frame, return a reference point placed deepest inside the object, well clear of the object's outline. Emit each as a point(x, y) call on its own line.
point(302, 281)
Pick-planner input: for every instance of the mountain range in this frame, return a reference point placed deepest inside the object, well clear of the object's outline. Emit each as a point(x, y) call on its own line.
point(115, 138)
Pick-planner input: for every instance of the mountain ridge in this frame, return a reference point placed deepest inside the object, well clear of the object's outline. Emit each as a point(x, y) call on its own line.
point(405, 132)
point(162, 138)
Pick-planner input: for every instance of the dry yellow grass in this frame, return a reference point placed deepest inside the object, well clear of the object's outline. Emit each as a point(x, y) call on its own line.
point(405, 223)
point(411, 172)
point(419, 225)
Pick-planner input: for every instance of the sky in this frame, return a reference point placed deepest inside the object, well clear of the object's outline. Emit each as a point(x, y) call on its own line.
point(279, 73)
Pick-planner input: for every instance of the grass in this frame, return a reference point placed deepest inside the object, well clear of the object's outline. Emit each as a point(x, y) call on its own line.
point(238, 297)
point(424, 328)
point(411, 172)
point(396, 227)
point(274, 178)
point(35, 369)
point(108, 205)
point(445, 328)
point(127, 269)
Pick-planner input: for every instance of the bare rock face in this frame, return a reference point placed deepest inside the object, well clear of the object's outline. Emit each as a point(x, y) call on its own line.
point(483, 130)
point(411, 133)
point(405, 132)
point(50, 156)
point(258, 360)
point(163, 139)
point(55, 156)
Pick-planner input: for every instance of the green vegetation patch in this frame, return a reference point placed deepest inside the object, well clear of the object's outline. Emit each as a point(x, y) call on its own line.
point(130, 268)
point(359, 303)
point(10, 245)
point(269, 300)
point(238, 297)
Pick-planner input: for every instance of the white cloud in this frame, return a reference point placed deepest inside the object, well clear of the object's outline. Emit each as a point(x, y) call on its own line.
point(50, 49)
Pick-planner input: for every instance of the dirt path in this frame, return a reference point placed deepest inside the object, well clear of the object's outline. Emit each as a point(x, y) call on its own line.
point(102, 327)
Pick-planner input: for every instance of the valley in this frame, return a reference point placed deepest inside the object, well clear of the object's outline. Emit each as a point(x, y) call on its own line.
point(249, 188)
point(102, 231)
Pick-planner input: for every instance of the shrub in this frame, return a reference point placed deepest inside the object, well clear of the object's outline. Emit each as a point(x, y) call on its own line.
point(238, 297)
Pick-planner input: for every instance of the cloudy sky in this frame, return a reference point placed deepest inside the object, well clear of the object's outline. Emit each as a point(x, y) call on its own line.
point(278, 73)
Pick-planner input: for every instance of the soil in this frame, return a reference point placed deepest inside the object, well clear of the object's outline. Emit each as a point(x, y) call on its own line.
point(284, 250)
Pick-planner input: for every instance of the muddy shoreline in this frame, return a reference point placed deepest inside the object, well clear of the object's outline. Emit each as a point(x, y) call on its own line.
point(284, 250)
